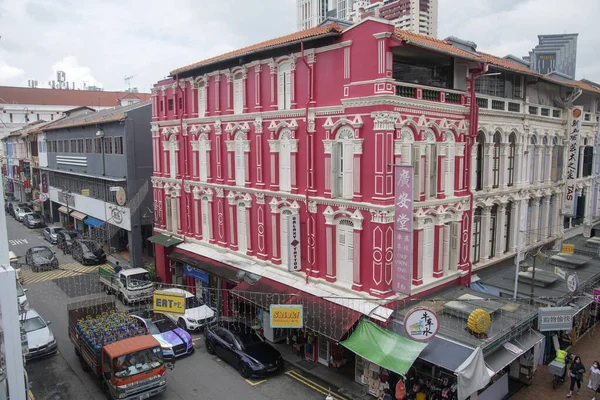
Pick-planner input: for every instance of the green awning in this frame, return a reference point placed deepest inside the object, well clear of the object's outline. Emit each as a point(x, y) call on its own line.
point(384, 348)
point(164, 240)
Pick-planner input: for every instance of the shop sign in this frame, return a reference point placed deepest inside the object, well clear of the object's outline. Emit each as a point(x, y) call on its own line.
point(572, 282)
point(168, 303)
point(560, 272)
point(555, 319)
point(286, 316)
point(572, 160)
point(293, 228)
point(568, 249)
point(421, 324)
point(85, 192)
point(195, 273)
point(403, 229)
point(597, 295)
point(44, 182)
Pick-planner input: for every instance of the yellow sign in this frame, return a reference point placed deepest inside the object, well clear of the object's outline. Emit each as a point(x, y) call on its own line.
point(479, 321)
point(568, 249)
point(168, 303)
point(286, 316)
point(85, 192)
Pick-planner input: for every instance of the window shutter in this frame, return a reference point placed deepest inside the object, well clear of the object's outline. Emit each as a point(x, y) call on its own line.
point(242, 240)
point(238, 93)
point(284, 239)
point(172, 161)
point(347, 172)
point(201, 101)
point(281, 86)
point(239, 163)
point(288, 90)
point(206, 234)
point(284, 165)
point(450, 171)
point(203, 161)
point(349, 246)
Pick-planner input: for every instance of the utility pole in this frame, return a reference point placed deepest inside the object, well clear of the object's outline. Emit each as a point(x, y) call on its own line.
point(11, 327)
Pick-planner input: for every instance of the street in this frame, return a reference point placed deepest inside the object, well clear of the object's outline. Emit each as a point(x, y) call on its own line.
point(61, 376)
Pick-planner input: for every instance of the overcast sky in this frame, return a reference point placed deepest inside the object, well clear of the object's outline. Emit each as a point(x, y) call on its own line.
point(102, 41)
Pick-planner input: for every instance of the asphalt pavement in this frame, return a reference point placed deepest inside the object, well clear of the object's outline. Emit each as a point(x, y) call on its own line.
point(60, 376)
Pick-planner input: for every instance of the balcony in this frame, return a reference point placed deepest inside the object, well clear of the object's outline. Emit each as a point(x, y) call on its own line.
point(517, 107)
point(429, 93)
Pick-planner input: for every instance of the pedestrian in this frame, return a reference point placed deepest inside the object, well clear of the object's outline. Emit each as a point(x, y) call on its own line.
point(117, 268)
point(576, 373)
point(387, 395)
point(594, 382)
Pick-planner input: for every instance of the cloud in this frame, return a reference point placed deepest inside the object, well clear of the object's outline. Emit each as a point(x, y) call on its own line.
point(74, 72)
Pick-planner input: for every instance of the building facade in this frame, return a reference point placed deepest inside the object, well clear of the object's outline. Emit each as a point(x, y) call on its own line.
point(555, 53)
point(97, 175)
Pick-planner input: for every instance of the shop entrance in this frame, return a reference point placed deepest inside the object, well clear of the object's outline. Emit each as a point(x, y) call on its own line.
point(324, 351)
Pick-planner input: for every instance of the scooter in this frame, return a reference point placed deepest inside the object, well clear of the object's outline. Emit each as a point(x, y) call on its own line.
point(559, 370)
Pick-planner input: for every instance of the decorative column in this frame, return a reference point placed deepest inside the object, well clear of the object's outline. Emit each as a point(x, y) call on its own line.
point(503, 171)
point(274, 166)
point(546, 216)
point(275, 233)
point(293, 82)
point(518, 174)
point(163, 102)
point(249, 243)
point(438, 249)
point(513, 237)
point(460, 186)
point(273, 78)
point(533, 233)
point(217, 94)
point(473, 167)
point(232, 214)
point(184, 94)
point(500, 222)
point(229, 89)
point(417, 278)
point(441, 174)
point(198, 232)
point(357, 147)
point(455, 238)
point(356, 281)
point(484, 247)
point(230, 154)
point(257, 102)
point(330, 252)
point(538, 163)
point(245, 89)
point(488, 177)
point(548, 163)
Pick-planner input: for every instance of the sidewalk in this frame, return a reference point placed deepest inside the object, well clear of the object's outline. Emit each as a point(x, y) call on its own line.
point(541, 388)
point(338, 383)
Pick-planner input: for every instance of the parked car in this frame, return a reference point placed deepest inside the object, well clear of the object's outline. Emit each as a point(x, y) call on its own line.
point(65, 239)
point(21, 212)
point(34, 220)
point(174, 341)
point(15, 207)
point(50, 233)
point(87, 252)
point(40, 339)
point(23, 302)
point(242, 347)
point(41, 258)
point(196, 315)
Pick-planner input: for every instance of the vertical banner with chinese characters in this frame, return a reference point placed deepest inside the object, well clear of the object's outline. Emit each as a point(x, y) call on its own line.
point(293, 230)
point(403, 229)
point(572, 159)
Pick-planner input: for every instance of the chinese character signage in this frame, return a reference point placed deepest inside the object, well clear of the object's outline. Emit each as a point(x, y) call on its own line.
point(403, 229)
point(293, 228)
point(568, 248)
point(44, 182)
point(572, 159)
point(286, 316)
point(421, 324)
point(555, 319)
point(168, 303)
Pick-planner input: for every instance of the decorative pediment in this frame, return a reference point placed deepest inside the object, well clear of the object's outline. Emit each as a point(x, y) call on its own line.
point(422, 121)
point(236, 126)
point(258, 124)
point(355, 122)
point(235, 197)
point(275, 125)
point(385, 121)
point(200, 128)
point(166, 131)
point(382, 216)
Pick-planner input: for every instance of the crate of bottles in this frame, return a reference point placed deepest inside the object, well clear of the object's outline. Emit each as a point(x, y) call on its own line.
point(108, 327)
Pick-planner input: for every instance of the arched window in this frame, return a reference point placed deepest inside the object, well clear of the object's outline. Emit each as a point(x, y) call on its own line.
point(284, 86)
point(285, 160)
point(342, 163)
point(543, 156)
point(496, 160)
point(428, 249)
point(493, 230)
point(240, 160)
point(557, 160)
point(201, 99)
point(512, 138)
point(476, 237)
point(531, 159)
point(242, 228)
point(345, 251)
point(479, 162)
point(238, 93)
point(507, 226)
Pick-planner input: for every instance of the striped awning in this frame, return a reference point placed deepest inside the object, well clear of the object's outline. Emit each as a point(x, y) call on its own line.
point(63, 209)
point(78, 215)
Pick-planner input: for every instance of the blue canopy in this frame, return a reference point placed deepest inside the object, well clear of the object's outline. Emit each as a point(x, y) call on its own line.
point(93, 222)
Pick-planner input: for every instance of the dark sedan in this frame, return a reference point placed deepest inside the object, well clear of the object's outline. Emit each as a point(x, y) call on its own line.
point(87, 252)
point(242, 347)
point(41, 258)
point(65, 239)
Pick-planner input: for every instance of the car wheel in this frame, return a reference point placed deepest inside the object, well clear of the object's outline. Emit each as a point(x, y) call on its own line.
point(210, 348)
point(36, 269)
point(107, 290)
point(244, 370)
point(181, 324)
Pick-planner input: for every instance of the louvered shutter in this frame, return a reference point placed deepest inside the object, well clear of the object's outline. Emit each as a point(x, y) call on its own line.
point(450, 171)
point(201, 101)
point(238, 93)
point(242, 239)
point(284, 166)
point(348, 160)
point(203, 161)
point(239, 163)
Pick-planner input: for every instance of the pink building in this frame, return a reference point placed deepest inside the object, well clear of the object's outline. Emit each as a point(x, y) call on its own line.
point(281, 153)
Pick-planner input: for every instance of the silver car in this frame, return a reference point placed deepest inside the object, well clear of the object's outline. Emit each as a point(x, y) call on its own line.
point(21, 212)
point(50, 233)
point(40, 339)
point(34, 220)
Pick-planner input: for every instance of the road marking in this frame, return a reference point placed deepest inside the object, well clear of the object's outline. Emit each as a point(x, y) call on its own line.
point(196, 339)
point(16, 242)
point(63, 271)
point(256, 383)
point(313, 385)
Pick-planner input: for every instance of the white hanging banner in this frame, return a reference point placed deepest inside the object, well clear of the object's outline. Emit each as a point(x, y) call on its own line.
point(572, 160)
point(293, 231)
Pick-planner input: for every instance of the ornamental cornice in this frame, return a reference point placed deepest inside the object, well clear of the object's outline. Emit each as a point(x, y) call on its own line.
point(355, 122)
point(356, 217)
point(258, 125)
point(200, 128)
point(382, 217)
point(230, 144)
point(442, 110)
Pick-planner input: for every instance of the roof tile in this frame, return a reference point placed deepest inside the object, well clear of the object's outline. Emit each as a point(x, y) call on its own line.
point(305, 34)
point(60, 97)
point(434, 44)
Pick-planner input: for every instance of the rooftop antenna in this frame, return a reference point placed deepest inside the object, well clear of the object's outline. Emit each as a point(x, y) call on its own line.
point(128, 80)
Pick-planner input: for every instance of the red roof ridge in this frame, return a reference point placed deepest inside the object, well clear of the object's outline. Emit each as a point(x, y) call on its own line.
point(432, 43)
point(292, 37)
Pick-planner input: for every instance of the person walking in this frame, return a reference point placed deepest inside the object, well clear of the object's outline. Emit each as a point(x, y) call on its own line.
point(576, 372)
point(594, 382)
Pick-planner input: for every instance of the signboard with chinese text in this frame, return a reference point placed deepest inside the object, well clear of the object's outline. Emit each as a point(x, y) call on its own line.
point(44, 182)
point(572, 282)
point(421, 324)
point(168, 303)
point(555, 319)
point(573, 127)
point(286, 316)
point(403, 229)
point(293, 230)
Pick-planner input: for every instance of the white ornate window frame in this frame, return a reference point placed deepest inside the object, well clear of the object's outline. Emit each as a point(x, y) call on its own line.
point(330, 159)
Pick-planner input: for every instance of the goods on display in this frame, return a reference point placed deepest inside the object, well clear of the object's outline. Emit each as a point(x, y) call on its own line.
point(107, 328)
point(479, 321)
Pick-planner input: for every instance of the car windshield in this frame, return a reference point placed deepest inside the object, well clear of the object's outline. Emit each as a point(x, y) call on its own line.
point(42, 252)
point(33, 324)
point(247, 337)
point(35, 216)
point(89, 245)
point(138, 279)
point(159, 326)
point(193, 302)
point(138, 362)
point(56, 230)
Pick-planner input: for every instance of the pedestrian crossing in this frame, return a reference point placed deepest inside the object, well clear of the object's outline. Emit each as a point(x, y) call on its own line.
point(63, 271)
